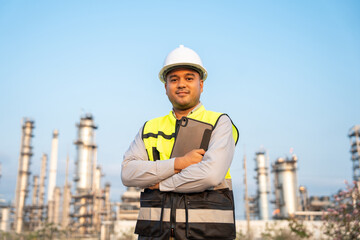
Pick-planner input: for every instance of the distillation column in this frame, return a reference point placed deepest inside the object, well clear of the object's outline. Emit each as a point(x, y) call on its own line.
point(98, 199)
point(107, 224)
point(262, 181)
point(35, 190)
point(52, 176)
point(286, 186)
point(107, 202)
point(86, 155)
point(354, 135)
point(66, 198)
point(42, 187)
point(34, 203)
point(56, 209)
point(23, 174)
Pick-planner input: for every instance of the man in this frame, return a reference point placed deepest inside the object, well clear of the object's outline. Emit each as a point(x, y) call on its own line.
point(189, 196)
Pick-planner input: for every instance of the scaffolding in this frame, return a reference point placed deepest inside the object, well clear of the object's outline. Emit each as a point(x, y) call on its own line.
point(311, 208)
point(33, 210)
point(41, 205)
point(83, 214)
point(65, 220)
point(354, 135)
point(129, 207)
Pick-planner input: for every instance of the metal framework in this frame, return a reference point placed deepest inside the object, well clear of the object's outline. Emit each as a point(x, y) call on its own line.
point(83, 214)
point(129, 207)
point(354, 135)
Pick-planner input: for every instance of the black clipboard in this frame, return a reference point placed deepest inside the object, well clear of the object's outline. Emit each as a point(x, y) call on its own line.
point(192, 134)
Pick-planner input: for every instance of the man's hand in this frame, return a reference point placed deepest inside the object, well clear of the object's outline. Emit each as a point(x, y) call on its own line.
point(156, 186)
point(192, 157)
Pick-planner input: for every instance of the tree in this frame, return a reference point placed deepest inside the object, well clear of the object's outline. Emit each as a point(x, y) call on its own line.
point(342, 220)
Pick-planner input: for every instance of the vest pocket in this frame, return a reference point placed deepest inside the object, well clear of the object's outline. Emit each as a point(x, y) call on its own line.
point(210, 215)
point(150, 219)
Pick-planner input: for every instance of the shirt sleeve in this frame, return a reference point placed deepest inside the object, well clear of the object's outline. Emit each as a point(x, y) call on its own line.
point(212, 170)
point(138, 171)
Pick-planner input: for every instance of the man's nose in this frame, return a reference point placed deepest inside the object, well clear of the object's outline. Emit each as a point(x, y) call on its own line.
point(181, 83)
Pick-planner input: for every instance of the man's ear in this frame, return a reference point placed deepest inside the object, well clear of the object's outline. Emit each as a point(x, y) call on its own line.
point(201, 85)
point(165, 85)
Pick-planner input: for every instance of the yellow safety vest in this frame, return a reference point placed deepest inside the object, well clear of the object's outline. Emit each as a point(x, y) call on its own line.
point(205, 215)
point(159, 134)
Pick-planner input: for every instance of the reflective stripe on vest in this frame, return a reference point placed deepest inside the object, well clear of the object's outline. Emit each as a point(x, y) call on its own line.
point(159, 133)
point(204, 215)
point(194, 215)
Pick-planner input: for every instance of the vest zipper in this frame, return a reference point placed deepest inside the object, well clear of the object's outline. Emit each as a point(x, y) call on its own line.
point(172, 232)
point(172, 217)
point(177, 126)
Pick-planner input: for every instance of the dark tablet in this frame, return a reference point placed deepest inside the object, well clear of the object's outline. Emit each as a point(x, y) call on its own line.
point(192, 134)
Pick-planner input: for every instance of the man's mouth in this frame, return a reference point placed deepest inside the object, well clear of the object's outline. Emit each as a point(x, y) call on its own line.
point(182, 92)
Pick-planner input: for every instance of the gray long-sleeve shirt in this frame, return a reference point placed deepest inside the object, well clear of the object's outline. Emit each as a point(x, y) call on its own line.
point(138, 171)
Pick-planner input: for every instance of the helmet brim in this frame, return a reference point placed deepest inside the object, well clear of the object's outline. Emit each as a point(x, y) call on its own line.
point(166, 69)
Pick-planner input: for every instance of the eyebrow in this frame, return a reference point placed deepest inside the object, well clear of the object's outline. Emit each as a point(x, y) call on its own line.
point(175, 75)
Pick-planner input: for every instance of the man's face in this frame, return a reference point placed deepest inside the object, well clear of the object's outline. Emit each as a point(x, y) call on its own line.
point(183, 87)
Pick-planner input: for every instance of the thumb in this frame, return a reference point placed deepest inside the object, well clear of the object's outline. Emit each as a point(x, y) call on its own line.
point(201, 151)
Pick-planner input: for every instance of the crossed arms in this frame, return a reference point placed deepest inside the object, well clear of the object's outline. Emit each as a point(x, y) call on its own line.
point(191, 173)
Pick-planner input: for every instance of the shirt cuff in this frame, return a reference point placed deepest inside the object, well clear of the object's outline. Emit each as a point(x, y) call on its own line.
point(167, 184)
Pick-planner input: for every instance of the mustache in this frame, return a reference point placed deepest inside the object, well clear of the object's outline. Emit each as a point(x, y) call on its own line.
point(182, 91)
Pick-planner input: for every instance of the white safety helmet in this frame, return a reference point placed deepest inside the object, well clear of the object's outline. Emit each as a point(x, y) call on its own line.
point(182, 56)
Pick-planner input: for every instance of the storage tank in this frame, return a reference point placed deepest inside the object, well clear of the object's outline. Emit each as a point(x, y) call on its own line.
point(286, 186)
point(5, 219)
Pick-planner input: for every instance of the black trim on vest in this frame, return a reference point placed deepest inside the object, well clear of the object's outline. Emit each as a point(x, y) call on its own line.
point(143, 129)
point(154, 135)
point(206, 139)
point(156, 154)
point(238, 136)
point(142, 137)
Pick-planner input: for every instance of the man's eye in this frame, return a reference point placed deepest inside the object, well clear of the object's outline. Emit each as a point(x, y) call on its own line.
point(189, 79)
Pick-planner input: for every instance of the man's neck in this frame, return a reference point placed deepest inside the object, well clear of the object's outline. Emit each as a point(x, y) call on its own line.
point(182, 113)
point(179, 113)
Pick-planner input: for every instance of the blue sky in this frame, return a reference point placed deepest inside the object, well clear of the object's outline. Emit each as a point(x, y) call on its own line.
point(287, 73)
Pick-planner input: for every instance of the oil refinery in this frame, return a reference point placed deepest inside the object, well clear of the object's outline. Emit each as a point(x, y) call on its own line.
point(82, 212)
point(82, 207)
